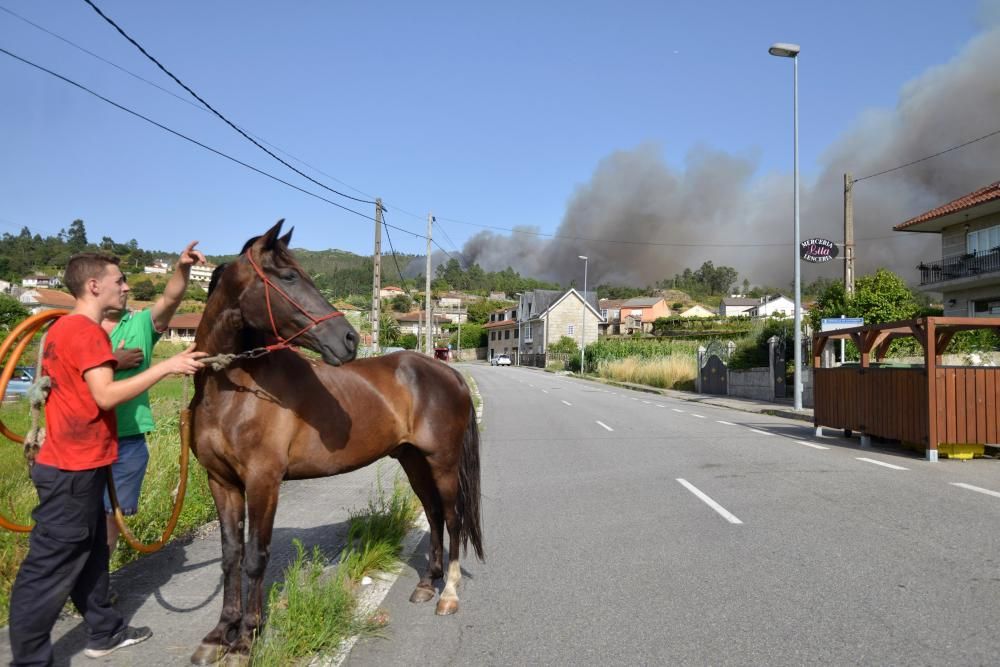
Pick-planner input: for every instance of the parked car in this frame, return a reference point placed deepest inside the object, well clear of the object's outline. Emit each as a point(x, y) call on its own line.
point(19, 382)
point(501, 360)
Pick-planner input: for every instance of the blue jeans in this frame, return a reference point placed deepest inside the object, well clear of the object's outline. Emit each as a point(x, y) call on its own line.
point(128, 472)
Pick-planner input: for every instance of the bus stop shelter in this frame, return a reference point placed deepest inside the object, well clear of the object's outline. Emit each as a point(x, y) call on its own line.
point(933, 405)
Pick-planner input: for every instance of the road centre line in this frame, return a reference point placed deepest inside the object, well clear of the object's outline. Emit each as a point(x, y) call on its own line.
point(723, 512)
point(545, 391)
point(810, 444)
point(698, 416)
point(757, 430)
point(977, 489)
point(881, 463)
point(648, 402)
point(676, 410)
point(726, 423)
point(568, 403)
point(603, 425)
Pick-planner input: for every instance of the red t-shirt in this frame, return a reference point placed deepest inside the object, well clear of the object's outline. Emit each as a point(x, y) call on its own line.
point(78, 434)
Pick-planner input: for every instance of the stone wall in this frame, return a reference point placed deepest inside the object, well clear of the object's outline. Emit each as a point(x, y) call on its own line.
point(755, 383)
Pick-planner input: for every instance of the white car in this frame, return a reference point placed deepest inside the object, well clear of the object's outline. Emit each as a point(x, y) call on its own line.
point(501, 360)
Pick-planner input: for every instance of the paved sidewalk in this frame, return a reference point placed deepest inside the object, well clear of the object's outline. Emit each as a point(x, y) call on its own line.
point(178, 590)
point(783, 408)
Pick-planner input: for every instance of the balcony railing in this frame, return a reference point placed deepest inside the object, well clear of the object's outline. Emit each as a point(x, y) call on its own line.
point(967, 265)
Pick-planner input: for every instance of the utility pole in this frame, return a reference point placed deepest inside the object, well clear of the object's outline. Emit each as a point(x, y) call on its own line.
point(377, 277)
point(459, 345)
point(427, 290)
point(848, 234)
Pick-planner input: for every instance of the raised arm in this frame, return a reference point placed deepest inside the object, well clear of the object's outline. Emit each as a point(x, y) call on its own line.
point(166, 305)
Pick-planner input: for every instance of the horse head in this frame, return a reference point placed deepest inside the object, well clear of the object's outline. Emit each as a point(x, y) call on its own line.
point(278, 299)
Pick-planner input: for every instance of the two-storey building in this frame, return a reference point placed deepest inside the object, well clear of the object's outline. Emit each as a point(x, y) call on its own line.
point(967, 272)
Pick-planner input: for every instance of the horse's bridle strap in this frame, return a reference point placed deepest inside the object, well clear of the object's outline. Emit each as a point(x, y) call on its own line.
point(268, 286)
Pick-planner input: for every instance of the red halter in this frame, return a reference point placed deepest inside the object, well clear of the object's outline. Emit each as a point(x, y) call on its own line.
point(268, 285)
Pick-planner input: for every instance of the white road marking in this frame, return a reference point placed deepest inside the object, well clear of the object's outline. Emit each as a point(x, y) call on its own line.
point(810, 444)
point(757, 430)
point(648, 402)
point(881, 463)
point(602, 424)
point(698, 416)
point(676, 410)
point(660, 405)
point(726, 423)
point(977, 489)
point(726, 514)
point(545, 391)
point(568, 403)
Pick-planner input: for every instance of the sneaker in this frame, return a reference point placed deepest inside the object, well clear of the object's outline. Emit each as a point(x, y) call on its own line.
point(129, 637)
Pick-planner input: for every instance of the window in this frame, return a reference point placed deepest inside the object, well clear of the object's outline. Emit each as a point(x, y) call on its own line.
point(987, 308)
point(516, 331)
point(604, 313)
point(493, 335)
point(527, 331)
point(983, 241)
point(506, 334)
point(571, 329)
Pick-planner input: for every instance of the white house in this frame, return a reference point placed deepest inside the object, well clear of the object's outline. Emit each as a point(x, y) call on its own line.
point(390, 291)
point(41, 298)
point(736, 304)
point(40, 281)
point(775, 306)
point(158, 267)
point(698, 311)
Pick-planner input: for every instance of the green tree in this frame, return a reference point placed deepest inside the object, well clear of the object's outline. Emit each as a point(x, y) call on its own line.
point(142, 290)
point(12, 312)
point(565, 345)
point(832, 302)
point(882, 297)
point(401, 303)
point(388, 329)
point(76, 238)
point(473, 335)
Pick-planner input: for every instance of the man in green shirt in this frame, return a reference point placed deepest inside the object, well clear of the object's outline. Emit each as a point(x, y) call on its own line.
point(133, 335)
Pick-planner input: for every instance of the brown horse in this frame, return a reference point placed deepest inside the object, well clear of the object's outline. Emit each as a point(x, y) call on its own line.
point(278, 415)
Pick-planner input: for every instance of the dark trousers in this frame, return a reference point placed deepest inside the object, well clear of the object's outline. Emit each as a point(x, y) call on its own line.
point(67, 558)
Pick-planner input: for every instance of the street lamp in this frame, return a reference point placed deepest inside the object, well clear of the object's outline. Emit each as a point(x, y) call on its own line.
point(583, 322)
point(520, 316)
point(783, 50)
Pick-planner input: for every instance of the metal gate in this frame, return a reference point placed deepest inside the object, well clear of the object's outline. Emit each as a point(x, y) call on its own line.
point(713, 369)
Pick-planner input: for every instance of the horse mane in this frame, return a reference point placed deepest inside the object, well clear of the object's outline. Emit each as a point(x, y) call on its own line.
point(280, 249)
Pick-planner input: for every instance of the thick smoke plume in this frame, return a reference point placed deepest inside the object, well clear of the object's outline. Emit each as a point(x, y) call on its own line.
point(716, 199)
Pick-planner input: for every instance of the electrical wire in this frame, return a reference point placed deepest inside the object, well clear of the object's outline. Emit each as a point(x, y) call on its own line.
point(198, 143)
point(213, 110)
point(176, 96)
point(908, 164)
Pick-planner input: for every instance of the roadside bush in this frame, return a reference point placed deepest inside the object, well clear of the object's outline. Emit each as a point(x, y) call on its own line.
point(673, 372)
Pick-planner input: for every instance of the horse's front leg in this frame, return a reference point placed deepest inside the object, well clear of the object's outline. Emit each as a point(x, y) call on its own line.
point(229, 502)
point(262, 501)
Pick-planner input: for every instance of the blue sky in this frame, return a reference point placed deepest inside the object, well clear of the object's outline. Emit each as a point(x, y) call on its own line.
point(489, 114)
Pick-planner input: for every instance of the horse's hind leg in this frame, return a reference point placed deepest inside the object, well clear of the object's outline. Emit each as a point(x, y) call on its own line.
point(447, 485)
point(229, 503)
point(419, 473)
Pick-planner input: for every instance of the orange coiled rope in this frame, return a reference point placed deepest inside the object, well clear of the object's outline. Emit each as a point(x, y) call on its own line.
point(19, 339)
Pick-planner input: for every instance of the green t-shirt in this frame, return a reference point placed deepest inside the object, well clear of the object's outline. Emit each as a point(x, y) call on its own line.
point(136, 329)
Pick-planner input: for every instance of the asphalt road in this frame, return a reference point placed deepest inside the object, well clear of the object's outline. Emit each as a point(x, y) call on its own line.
point(629, 529)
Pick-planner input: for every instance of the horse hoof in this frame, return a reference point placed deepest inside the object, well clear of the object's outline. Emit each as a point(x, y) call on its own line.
point(421, 594)
point(233, 659)
point(208, 654)
point(446, 607)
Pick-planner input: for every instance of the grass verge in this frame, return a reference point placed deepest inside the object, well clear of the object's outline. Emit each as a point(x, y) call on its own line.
point(315, 608)
point(673, 372)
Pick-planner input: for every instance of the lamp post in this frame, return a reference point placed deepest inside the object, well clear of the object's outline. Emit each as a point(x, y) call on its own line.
point(783, 50)
point(583, 321)
point(520, 316)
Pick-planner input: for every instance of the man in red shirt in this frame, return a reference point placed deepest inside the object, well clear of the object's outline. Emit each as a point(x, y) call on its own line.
point(68, 551)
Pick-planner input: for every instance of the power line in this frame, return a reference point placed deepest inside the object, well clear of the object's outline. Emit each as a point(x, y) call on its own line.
point(212, 109)
point(198, 143)
point(908, 164)
point(174, 95)
point(387, 236)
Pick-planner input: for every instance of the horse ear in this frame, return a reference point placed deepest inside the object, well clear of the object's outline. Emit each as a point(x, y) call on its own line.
point(287, 238)
point(270, 237)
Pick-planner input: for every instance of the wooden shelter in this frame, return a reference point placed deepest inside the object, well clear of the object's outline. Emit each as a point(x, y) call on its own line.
point(933, 405)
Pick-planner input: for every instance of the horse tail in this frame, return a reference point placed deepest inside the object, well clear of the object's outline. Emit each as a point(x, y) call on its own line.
point(469, 515)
